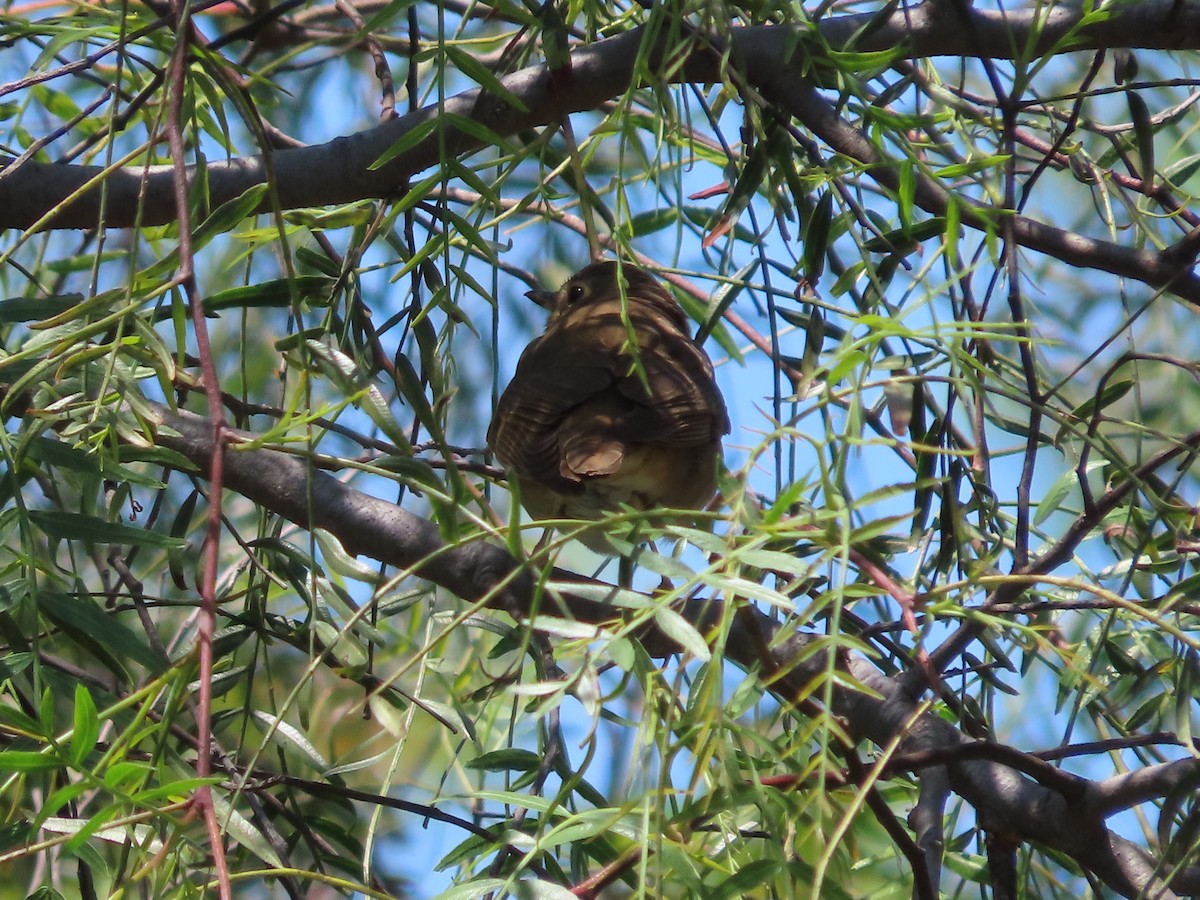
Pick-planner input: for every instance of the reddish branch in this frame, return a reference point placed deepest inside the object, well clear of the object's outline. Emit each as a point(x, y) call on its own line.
point(217, 428)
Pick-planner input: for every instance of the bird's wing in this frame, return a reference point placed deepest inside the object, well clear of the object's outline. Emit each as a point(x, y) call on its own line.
point(553, 379)
point(577, 401)
point(683, 405)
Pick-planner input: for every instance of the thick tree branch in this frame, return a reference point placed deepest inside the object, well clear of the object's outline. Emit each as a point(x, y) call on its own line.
point(1124, 791)
point(773, 59)
point(1006, 801)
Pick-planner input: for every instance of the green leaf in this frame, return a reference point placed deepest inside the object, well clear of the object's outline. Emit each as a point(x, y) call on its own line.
point(742, 883)
point(228, 215)
point(410, 389)
point(1143, 130)
point(972, 166)
point(343, 563)
point(803, 320)
point(865, 60)
point(953, 228)
point(351, 215)
point(60, 798)
point(1179, 173)
point(904, 240)
point(473, 890)
point(1052, 500)
point(511, 759)
point(484, 135)
point(244, 832)
point(816, 236)
point(1017, 427)
point(666, 566)
point(13, 718)
point(774, 561)
point(101, 633)
point(66, 526)
point(405, 142)
point(87, 726)
point(289, 736)
point(176, 790)
point(722, 300)
point(35, 309)
point(28, 761)
point(308, 290)
point(896, 361)
point(1185, 697)
point(649, 222)
point(1081, 415)
point(483, 76)
point(318, 261)
point(680, 630)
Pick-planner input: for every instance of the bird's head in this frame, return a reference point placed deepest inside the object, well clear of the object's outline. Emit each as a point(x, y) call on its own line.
point(601, 283)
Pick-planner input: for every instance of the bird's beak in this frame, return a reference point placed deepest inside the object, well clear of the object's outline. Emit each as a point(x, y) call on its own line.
point(540, 297)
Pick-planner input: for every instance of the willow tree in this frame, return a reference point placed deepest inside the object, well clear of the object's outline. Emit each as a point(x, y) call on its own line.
point(268, 610)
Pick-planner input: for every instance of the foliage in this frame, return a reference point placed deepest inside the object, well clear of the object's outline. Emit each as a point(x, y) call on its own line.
point(943, 256)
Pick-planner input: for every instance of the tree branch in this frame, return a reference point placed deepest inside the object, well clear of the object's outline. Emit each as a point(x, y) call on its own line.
point(774, 59)
point(885, 713)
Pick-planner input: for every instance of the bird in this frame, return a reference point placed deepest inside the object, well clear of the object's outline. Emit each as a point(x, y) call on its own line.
point(613, 404)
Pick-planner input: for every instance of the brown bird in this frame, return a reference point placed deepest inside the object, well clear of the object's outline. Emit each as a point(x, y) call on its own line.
point(593, 419)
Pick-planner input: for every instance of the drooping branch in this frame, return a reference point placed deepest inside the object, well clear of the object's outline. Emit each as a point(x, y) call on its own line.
point(1006, 800)
point(771, 58)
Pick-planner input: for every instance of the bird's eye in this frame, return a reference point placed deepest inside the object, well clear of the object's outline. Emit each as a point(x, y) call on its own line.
point(575, 293)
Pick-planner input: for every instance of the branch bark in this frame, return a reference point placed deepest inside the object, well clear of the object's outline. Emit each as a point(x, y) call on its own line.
point(1006, 801)
point(773, 59)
